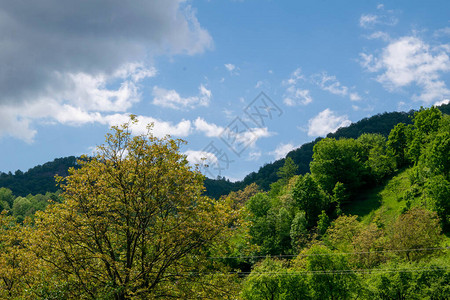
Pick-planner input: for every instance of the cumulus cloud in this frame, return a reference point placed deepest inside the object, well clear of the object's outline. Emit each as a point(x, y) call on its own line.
point(161, 128)
point(171, 99)
point(325, 122)
point(200, 157)
point(410, 61)
point(282, 149)
point(442, 102)
point(85, 58)
point(209, 129)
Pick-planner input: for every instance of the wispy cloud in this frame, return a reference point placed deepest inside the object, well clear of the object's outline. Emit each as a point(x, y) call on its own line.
point(232, 69)
point(330, 84)
point(381, 17)
point(295, 95)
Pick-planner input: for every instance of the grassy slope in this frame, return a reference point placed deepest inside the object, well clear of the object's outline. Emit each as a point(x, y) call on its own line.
point(383, 204)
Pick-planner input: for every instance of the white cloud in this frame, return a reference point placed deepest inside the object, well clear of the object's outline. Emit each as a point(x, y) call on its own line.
point(442, 102)
point(244, 139)
point(294, 78)
point(160, 129)
point(171, 99)
point(200, 157)
point(282, 149)
point(11, 125)
point(383, 17)
point(379, 35)
point(253, 135)
point(330, 84)
point(209, 129)
point(325, 122)
point(230, 67)
point(355, 97)
point(295, 95)
point(367, 20)
point(410, 61)
point(83, 99)
point(254, 155)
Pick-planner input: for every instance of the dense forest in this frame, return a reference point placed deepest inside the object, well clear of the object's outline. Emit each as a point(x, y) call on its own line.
point(367, 218)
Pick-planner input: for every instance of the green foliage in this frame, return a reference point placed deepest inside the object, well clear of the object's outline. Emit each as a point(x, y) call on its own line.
point(437, 158)
point(426, 120)
point(397, 143)
point(271, 279)
point(22, 207)
point(266, 175)
point(6, 198)
point(309, 197)
point(299, 232)
point(339, 161)
point(134, 225)
point(323, 223)
point(288, 170)
point(331, 276)
point(271, 224)
point(424, 280)
point(341, 233)
point(438, 189)
point(416, 229)
point(39, 179)
point(379, 161)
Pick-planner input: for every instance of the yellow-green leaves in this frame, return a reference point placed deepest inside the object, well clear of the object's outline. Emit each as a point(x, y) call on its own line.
point(134, 222)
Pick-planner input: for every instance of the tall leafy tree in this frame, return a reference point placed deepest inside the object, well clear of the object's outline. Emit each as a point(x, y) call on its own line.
point(339, 161)
point(309, 197)
point(397, 143)
point(418, 228)
point(288, 170)
point(134, 224)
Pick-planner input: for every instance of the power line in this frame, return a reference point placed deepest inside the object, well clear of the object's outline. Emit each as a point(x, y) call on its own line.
point(325, 272)
point(328, 254)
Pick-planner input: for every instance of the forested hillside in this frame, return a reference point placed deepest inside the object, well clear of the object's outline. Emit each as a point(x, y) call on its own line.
point(370, 220)
point(39, 179)
point(267, 174)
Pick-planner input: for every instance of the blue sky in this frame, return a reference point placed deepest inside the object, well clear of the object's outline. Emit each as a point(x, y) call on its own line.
point(243, 82)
